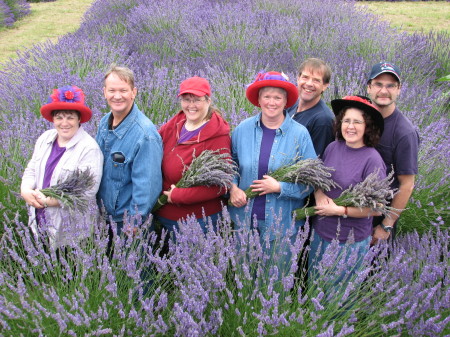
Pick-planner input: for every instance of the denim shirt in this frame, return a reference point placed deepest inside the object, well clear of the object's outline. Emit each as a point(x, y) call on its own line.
point(132, 178)
point(292, 143)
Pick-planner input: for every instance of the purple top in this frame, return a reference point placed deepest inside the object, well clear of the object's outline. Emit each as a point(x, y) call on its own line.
point(399, 145)
point(351, 167)
point(185, 135)
point(259, 205)
point(52, 161)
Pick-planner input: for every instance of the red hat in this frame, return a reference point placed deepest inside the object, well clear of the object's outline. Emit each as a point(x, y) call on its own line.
point(360, 102)
point(68, 97)
point(198, 86)
point(272, 79)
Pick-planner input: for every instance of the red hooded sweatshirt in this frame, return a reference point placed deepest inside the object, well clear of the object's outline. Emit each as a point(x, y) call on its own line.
point(215, 135)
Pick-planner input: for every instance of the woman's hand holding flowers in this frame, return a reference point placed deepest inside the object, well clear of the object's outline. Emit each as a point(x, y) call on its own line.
point(169, 193)
point(329, 208)
point(238, 198)
point(266, 185)
point(30, 197)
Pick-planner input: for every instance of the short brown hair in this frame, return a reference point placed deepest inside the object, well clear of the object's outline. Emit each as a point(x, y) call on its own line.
point(318, 65)
point(124, 73)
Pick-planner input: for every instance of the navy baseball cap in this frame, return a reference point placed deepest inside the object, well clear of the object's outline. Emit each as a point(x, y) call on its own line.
point(384, 67)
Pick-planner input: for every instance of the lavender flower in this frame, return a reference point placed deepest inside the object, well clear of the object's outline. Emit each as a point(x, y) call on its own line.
point(210, 168)
point(308, 172)
point(372, 192)
point(72, 190)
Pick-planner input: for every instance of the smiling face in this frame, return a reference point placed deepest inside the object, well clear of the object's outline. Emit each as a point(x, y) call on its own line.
point(67, 123)
point(384, 90)
point(353, 127)
point(272, 102)
point(311, 84)
point(119, 94)
point(195, 108)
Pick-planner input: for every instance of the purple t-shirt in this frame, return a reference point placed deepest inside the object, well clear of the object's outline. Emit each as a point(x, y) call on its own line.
point(399, 146)
point(185, 135)
point(259, 204)
point(52, 161)
point(351, 167)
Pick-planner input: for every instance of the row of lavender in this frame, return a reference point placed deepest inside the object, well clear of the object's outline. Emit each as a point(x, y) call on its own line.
point(12, 10)
point(221, 284)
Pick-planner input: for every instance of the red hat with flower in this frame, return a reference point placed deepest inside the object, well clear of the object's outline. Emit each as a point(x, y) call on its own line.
point(272, 79)
point(362, 103)
point(69, 97)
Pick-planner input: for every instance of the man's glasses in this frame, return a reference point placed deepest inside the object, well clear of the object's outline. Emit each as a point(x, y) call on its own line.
point(379, 86)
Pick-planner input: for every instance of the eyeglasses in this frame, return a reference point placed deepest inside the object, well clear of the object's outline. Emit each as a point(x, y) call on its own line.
point(196, 101)
point(379, 86)
point(354, 122)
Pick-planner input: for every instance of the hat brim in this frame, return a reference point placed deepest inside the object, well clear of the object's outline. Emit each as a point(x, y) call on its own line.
point(384, 72)
point(193, 92)
point(252, 91)
point(47, 109)
point(338, 104)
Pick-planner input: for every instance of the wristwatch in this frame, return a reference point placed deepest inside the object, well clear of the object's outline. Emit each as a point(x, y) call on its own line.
point(387, 229)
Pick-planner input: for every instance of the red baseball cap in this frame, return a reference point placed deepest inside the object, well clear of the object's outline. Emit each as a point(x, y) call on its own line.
point(198, 86)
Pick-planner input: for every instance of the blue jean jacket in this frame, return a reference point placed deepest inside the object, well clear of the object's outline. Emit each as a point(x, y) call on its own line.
point(132, 178)
point(291, 144)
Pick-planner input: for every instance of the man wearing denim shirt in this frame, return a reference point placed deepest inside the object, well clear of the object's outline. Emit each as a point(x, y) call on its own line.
point(132, 147)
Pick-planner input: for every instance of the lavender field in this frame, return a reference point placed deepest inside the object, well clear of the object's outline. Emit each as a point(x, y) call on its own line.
point(205, 286)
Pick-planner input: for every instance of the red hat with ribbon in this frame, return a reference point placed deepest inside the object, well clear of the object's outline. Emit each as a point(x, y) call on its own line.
point(360, 102)
point(272, 79)
point(69, 97)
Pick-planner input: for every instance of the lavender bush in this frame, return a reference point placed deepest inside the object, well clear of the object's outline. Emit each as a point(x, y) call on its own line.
point(216, 284)
point(12, 10)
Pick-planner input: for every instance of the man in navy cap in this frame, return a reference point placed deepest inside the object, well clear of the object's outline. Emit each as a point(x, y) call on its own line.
point(399, 144)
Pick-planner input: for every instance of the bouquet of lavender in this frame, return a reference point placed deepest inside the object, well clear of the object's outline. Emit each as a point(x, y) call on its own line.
point(308, 171)
point(371, 192)
point(210, 168)
point(72, 190)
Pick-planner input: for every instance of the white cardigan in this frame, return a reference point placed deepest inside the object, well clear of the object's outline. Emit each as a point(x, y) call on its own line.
point(82, 151)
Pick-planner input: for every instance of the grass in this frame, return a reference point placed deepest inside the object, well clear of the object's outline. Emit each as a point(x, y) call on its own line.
point(417, 16)
point(47, 21)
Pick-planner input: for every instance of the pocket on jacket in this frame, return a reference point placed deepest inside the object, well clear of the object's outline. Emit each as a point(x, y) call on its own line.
point(119, 162)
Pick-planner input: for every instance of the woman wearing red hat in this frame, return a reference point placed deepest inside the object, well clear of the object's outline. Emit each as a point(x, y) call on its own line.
point(196, 128)
point(261, 144)
point(57, 153)
point(358, 128)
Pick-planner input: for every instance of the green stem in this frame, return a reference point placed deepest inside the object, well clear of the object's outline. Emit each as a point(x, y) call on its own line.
point(50, 193)
point(302, 213)
point(162, 200)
